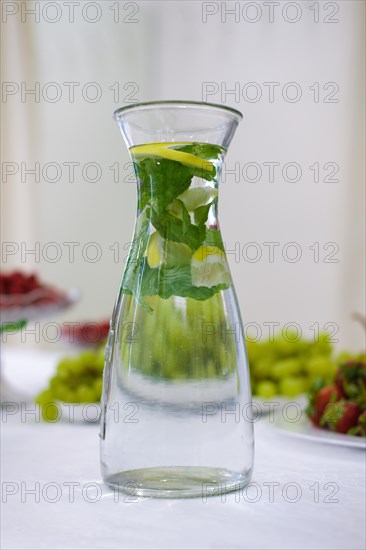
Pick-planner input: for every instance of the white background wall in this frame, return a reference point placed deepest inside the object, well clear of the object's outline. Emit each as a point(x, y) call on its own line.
point(168, 52)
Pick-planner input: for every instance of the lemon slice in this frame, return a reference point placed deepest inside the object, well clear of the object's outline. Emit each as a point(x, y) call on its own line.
point(197, 196)
point(209, 267)
point(155, 250)
point(167, 151)
point(209, 254)
point(210, 275)
point(161, 251)
point(176, 254)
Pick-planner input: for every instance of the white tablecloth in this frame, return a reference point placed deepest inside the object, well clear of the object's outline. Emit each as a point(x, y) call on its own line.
point(304, 495)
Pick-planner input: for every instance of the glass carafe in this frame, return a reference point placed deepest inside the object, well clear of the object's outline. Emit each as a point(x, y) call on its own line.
point(176, 404)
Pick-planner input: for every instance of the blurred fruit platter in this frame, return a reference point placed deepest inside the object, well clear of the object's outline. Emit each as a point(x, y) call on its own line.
point(24, 297)
point(336, 411)
point(284, 368)
point(332, 386)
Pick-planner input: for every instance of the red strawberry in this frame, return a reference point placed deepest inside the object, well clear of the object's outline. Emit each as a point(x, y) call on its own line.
point(361, 424)
point(32, 282)
point(16, 276)
point(351, 378)
point(360, 428)
point(341, 416)
point(16, 288)
point(320, 401)
point(351, 413)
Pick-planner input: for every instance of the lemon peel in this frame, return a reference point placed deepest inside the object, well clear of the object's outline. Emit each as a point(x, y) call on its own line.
point(167, 151)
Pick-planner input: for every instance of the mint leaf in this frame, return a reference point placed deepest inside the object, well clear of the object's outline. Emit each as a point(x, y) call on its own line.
point(213, 238)
point(160, 184)
point(161, 181)
point(136, 254)
point(202, 150)
point(178, 209)
point(177, 230)
point(205, 151)
point(201, 213)
point(175, 281)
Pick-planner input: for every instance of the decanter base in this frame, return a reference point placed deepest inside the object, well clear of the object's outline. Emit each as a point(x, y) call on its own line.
point(178, 482)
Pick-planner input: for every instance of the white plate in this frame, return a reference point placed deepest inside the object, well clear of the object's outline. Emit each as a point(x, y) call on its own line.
point(304, 429)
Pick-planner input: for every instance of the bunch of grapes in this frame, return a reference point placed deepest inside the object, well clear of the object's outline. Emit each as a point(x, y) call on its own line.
point(288, 366)
point(77, 380)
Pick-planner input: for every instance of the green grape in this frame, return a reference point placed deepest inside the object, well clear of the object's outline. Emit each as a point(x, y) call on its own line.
point(44, 397)
point(266, 389)
point(320, 367)
point(287, 347)
point(254, 350)
point(97, 387)
point(291, 386)
point(286, 367)
point(78, 380)
point(64, 368)
point(87, 380)
point(50, 412)
point(322, 346)
point(54, 383)
point(262, 368)
point(290, 363)
point(72, 396)
point(302, 347)
point(87, 359)
point(49, 409)
point(85, 394)
point(61, 392)
point(99, 362)
point(77, 367)
point(267, 350)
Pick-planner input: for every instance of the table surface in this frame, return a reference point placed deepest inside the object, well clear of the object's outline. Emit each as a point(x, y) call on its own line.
point(303, 494)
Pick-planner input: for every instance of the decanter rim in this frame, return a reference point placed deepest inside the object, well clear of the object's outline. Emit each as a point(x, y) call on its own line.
point(178, 103)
